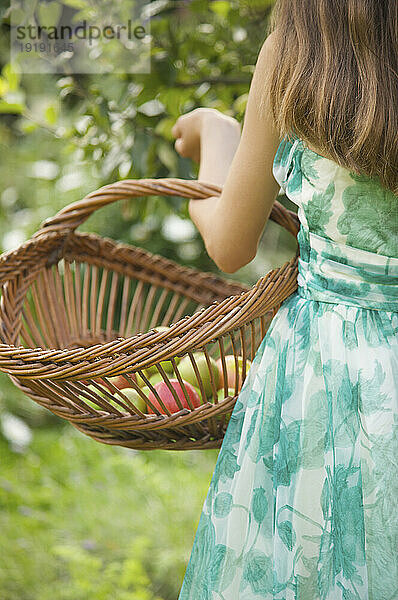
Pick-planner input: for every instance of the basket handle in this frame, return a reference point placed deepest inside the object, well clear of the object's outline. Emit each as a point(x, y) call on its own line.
point(73, 215)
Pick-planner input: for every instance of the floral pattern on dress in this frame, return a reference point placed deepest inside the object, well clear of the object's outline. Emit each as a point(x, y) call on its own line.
point(375, 223)
point(302, 504)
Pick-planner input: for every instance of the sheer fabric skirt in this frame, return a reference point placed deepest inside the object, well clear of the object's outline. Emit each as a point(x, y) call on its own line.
point(302, 503)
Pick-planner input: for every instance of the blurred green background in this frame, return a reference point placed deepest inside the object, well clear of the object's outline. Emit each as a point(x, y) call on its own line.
point(79, 520)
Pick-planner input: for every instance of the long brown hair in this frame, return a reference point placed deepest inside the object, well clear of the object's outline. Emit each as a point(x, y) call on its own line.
point(334, 81)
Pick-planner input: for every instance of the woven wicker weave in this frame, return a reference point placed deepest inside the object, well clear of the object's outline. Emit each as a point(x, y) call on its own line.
point(77, 309)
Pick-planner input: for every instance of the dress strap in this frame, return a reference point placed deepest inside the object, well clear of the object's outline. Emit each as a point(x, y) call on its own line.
point(292, 150)
point(283, 160)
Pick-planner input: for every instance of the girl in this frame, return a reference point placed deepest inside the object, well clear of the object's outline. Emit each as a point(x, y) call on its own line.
point(302, 503)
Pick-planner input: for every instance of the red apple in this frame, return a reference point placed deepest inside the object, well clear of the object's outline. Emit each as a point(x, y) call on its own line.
point(188, 373)
point(168, 398)
point(230, 366)
point(120, 382)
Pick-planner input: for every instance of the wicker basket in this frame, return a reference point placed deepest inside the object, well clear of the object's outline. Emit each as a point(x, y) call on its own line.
point(77, 309)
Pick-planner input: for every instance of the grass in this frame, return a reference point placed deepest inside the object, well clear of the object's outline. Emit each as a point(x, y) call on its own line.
point(80, 520)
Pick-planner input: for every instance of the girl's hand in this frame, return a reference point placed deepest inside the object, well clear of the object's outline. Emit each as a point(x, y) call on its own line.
point(190, 128)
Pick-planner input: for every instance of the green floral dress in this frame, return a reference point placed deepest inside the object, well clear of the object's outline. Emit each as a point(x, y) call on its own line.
point(303, 501)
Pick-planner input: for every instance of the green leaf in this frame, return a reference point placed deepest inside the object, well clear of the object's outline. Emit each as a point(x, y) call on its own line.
point(12, 77)
point(3, 86)
point(51, 114)
point(256, 4)
point(78, 4)
point(27, 126)
point(10, 108)
point(49, 13)
point(167, 156)
point(220, 7)
point(240, 103)
point(19, 16)
point(164, 127)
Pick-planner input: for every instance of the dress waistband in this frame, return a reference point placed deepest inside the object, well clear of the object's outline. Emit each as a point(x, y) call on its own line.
point(329, 271)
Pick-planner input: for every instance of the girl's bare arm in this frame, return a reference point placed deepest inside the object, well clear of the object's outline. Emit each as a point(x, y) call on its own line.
point(231, 225)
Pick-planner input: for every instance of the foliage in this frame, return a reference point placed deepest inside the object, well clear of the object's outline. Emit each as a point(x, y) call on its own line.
point(88, 520)
point(97, 522)
point(61, 136)
point(73, 133)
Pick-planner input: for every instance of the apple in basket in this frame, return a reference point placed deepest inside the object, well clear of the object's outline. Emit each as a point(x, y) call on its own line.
point(230, 366)
point(152, 374)
point(168, 399)
point(188, 373)
point(94, 394)
point(130, 393)
point(155, 378)
point(136, 398)
point(120, 382)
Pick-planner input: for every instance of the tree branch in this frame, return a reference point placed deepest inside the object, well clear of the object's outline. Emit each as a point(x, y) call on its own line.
point(213, 81)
